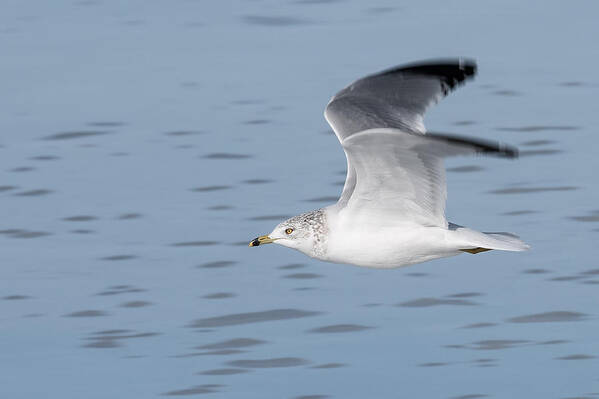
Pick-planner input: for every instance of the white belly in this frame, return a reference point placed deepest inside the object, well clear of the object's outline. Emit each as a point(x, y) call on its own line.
point(389, 247)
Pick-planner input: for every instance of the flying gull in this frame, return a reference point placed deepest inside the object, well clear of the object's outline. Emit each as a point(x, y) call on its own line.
point(391, 212)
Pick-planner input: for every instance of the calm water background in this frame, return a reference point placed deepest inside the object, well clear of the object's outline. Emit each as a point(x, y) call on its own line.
point(144, 143)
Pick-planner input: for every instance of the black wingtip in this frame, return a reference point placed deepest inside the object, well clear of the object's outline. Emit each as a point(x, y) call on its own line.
point(481, 146)
point(508, 151)
point(451, 71)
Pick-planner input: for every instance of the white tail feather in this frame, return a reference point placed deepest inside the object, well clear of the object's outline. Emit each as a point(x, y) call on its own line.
point(500, 241)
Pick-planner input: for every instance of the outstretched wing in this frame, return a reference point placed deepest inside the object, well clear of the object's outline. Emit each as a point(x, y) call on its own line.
point(395, 98)
point(400, 175)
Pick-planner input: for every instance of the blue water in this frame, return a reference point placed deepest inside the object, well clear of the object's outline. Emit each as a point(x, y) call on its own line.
point(144, 143)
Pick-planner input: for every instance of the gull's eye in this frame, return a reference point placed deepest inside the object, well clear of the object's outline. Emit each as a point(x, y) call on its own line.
point(288, 230)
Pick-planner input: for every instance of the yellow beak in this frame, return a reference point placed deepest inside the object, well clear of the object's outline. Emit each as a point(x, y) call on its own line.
point(261, 240)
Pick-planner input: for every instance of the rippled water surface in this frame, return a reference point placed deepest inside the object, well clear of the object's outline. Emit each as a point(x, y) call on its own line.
point(144, 143)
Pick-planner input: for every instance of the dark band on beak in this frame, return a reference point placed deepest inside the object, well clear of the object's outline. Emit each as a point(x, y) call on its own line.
point(261, 240)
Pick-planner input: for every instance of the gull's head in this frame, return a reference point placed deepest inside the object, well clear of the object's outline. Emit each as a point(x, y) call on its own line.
point(305, 232)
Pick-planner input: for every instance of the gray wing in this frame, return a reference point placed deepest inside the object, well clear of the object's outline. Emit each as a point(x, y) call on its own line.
point(395, 98)
point(399, 176)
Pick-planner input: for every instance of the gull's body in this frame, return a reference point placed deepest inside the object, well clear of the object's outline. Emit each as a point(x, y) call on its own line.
point(385, 246)
point(391, 212)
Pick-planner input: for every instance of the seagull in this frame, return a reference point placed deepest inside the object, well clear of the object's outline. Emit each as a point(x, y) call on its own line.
point(391, 212)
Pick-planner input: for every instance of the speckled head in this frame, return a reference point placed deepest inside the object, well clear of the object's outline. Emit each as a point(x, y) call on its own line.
point(306, 232)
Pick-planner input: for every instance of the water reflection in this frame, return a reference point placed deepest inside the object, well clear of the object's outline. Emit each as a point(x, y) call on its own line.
point(269, 363)
point(273, 21)
point(252, 317)
point(113, 338)
point(549, 317)
point(225, 371)
point(74, 135)
point(34, 193)
point(195, 390)
point(339, 328)
point(428, 302)
point(538, 128)
point(226, 156)
point(527, 190)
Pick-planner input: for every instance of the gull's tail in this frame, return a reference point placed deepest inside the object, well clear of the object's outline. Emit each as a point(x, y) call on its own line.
point(473, 241)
